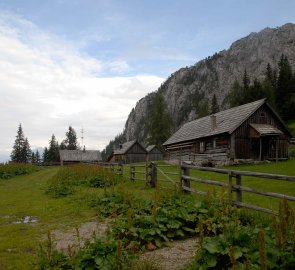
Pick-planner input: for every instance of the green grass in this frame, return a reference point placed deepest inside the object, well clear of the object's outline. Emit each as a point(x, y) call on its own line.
point(283, 187)
point(25, 196)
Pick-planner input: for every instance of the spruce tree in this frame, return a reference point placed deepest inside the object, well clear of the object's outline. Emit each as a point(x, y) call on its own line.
point(27, 152)
point(45, 155)
point(160, 122)
point(71, 142)
point(214, 105)
point(285, 93)
point(37, 157)
point(53, 150)
point(18, 154)
point(33, 158)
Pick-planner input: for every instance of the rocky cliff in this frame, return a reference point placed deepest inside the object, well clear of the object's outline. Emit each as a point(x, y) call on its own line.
point(188, 87)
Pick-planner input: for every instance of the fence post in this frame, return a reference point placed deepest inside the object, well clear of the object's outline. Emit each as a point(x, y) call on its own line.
point(239, 197)
point(186, 182)
point(230, 188)
point(121, 169)
point(153, 174)
point(132, 173)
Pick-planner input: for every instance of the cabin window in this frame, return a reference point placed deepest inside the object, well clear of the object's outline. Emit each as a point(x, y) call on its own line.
point(214, 143)
point(202, 147)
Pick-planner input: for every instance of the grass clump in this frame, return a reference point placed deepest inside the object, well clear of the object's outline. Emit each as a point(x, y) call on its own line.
point(67, 178)
point(10, 170)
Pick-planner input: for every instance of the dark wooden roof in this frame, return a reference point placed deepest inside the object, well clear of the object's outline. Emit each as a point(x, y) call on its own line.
point(226, 122)
point(150, 147)
point(125, 147)
point(264, 129)
point(79, 155)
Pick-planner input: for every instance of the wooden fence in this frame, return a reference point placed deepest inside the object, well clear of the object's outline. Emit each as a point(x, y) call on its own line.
point(151, 173)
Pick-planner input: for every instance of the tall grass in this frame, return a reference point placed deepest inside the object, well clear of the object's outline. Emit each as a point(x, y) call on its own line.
point(10, 170)
point(68, 178)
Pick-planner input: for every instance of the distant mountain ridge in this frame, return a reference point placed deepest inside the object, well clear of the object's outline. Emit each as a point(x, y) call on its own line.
point(185, 89)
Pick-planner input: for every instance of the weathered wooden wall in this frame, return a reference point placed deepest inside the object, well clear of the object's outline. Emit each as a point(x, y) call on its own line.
point(246, 148)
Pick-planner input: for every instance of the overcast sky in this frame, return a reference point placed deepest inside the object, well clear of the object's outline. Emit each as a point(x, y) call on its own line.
point(85, 63)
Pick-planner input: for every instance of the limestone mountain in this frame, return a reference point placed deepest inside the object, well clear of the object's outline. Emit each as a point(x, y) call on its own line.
point(189, 88)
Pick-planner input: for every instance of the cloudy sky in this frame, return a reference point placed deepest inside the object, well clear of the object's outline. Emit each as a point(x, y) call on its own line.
point(85, 63)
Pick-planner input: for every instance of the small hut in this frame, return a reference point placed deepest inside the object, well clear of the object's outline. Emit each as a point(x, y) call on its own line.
point(154, 153)
point(79, 156)
point(129, 152)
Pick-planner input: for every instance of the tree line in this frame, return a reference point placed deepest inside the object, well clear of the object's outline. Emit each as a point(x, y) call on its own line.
point(278, 87)
point(22, 153)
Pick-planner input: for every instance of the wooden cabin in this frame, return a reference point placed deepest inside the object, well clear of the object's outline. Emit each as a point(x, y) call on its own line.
point(79, 156)
point(154, 153)
point(251, 131)
point(129, 152)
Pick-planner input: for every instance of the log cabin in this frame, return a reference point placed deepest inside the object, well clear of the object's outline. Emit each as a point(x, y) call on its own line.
point(129, 152)
point(252, 131)
point(79, 156)
point(154, 153)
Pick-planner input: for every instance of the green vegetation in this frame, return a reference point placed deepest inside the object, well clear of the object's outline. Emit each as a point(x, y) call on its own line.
point(283, 187)
point(142, 218)
point(278, 89)
point(69, 178)
point(13, 169)
point(160, 121)
point(249, 246)
point(24, 196)
point(21, 151)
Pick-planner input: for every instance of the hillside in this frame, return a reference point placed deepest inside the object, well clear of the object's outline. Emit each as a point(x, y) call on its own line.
point(186, 89)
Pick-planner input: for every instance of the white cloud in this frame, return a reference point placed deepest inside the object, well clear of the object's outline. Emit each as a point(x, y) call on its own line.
point(46, 84)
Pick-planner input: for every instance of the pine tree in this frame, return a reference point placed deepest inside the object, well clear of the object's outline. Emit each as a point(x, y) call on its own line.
point(285, 93)
point(33, 158)
point(45, 155)
point(37, 157)
point(203, 109)
point(214, 105)
point(246, 80)
point(71, 142)
point(53, 150)
point(235, 95)
point(27, 152)
point(18, 154)
point(160, 122)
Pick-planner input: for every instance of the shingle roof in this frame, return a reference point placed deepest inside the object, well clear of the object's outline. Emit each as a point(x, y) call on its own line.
point(264, 129)
point(124, 148)
point(227, 121)
point(150, 147)
point(79, 155)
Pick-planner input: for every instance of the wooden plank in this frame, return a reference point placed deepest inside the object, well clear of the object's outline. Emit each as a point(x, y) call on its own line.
point(245, 173)
point(194, 190)
point(211, 182)
point(265, 193)
point(257, 208)
point(139, 172)
point(138, 179)
point(166, 176)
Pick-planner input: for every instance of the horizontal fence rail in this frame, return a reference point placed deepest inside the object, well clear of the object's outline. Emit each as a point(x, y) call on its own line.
point(154, 174)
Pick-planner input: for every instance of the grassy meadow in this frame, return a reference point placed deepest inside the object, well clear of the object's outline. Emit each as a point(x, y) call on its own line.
point(27, 196)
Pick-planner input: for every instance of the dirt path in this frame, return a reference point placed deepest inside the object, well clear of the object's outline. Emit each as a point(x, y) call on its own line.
point(76, 237)
point(174, 257)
